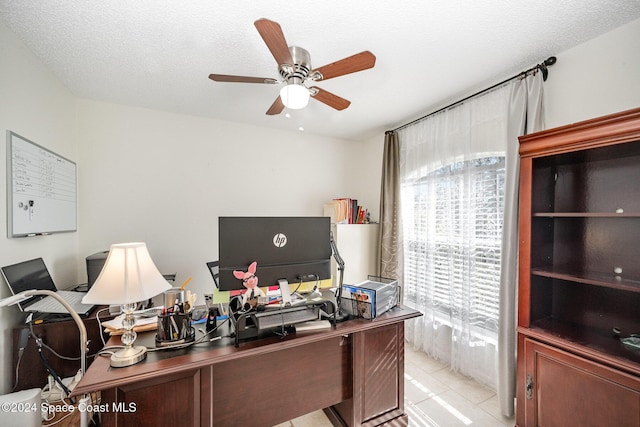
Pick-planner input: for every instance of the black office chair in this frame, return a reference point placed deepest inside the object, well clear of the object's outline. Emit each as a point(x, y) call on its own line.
point(214, 270)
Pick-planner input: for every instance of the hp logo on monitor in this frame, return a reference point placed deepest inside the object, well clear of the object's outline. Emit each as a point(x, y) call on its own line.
point(279, 240)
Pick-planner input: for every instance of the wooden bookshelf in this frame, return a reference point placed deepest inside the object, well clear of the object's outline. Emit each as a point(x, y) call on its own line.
point(579, 274)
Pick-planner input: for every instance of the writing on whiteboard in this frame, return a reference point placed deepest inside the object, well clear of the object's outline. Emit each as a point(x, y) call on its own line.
point(43, 189)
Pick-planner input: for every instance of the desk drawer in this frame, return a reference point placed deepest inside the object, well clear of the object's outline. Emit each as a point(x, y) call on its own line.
point(271, 388)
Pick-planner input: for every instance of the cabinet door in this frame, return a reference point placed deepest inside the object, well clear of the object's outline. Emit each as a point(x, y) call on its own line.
point(378, 380)
point(172, 400)
point(289, 382)
point(566, 390)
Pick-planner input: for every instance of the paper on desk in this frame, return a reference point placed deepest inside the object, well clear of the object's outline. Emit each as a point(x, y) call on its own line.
point(137, 328)
point(116, 322)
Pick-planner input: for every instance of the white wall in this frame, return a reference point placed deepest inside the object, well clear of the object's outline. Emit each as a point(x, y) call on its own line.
point(596, 78)
point(364, 174)
point(35, 105)
point(165, 179)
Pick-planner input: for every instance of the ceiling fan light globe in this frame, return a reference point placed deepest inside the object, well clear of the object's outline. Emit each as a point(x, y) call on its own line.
point(294, 96)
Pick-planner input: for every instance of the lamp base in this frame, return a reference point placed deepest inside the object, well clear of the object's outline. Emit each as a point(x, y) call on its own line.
point(128, 356)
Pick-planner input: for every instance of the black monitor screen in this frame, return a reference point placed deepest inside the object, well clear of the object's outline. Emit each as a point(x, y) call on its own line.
point(95, 263)
point(27, 275)
point(292, 248)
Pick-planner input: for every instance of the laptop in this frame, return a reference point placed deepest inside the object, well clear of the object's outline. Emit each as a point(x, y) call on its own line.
point(33, 274)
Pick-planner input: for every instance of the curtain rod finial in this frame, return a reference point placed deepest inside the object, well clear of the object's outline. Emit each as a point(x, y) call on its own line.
point(547, 63)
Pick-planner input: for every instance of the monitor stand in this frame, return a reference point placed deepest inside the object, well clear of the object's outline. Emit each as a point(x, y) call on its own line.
point(284, 292)
point(287, 300)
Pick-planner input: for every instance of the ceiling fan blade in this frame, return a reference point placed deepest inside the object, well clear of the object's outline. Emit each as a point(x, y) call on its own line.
point(276, 107)
point(358, 62)
point(333, 101)
point(241, 79)
point(273, 36)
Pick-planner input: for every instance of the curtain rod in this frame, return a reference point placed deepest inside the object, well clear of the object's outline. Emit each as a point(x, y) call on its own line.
point(542, 67)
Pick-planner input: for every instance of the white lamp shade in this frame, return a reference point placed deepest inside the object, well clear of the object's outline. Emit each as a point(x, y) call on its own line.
point(294, 96)
point(128, 276)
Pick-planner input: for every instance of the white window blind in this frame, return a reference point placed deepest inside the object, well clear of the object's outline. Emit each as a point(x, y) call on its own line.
point(453, 240)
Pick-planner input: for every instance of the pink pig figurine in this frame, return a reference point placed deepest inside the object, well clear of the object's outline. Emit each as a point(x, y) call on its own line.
point(250, 281)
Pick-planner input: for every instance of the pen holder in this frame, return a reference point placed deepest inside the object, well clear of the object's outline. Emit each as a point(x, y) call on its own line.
point(174, 328)
point(173, 298)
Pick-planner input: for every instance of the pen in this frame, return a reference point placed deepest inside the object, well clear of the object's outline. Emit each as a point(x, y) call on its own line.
point(175, 330)
point(185, 283)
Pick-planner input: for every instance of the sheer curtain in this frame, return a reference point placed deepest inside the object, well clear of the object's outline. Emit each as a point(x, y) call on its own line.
point(452, 169)
point(526, 115)
point(459, 197)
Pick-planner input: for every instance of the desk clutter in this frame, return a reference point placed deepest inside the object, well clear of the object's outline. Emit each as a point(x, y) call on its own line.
point(307, 312)
point(252, 321)
point(175, 327)
point(253, 314)
point(173, 320)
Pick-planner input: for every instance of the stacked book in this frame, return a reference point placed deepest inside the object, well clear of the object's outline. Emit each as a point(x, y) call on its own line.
point(346, 211)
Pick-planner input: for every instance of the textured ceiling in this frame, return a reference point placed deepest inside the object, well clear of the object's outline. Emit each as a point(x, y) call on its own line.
point(158, 53)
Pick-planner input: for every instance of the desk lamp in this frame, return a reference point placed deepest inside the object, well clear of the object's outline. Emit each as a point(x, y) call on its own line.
point(128, 277)
point(84, 343)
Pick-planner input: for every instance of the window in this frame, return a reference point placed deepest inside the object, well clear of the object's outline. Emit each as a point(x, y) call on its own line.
point(452, 232)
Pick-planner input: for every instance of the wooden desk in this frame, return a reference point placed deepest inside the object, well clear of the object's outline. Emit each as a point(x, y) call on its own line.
point(355, 372)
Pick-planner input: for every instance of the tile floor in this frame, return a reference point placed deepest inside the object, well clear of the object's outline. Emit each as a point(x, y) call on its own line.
point(435, 397)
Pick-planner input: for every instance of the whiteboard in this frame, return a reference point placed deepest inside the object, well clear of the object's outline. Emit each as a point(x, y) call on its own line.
point(41, 190)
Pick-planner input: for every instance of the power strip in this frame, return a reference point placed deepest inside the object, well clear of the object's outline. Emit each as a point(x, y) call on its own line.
point(52, 392)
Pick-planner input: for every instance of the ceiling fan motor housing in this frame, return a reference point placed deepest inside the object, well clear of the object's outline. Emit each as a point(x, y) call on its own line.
point(294, 67)
point(297, 72)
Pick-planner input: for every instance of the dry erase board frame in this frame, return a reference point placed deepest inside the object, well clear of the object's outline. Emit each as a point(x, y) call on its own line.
point(41, 190)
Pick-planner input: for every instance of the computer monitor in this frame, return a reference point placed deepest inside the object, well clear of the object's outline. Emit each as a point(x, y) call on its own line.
point(27, 275)
point(95, 262)
point(296, 249)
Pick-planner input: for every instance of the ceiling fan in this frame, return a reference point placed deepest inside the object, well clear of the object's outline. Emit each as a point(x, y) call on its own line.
point(294, 66)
